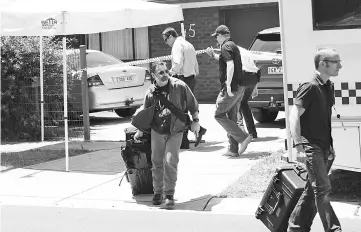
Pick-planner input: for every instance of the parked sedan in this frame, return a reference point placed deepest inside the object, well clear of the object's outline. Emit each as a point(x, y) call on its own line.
point(114, 85)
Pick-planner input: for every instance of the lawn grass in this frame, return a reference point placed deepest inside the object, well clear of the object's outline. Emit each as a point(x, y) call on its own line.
point(22, 159)
point(255, 181)
point(346, 185)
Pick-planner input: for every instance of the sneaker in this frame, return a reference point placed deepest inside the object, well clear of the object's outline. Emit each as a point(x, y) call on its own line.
point(157, 199)
point(230, 153)
point(169, 202)
point(244, 144)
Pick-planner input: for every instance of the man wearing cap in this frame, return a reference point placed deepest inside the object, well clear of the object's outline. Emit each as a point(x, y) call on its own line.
point(184, 67)
point(232, 91)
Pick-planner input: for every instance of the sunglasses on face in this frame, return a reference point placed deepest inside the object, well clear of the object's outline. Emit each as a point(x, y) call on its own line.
point(166, 38)
point(161, 73)
point(333, 61)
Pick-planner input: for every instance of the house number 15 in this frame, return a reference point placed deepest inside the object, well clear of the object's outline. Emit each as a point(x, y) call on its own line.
point(191, 31)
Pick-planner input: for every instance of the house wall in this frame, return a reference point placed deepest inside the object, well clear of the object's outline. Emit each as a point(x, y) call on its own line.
point(205, 21)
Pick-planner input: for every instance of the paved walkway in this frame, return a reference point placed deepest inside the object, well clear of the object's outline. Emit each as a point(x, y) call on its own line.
point(44, 197)
point(92, 188)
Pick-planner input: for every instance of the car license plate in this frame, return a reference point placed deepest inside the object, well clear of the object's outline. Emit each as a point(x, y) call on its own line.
point(275, 70)
point(123, 79)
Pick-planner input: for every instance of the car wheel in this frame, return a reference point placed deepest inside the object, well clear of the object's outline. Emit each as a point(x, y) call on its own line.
point(265, 115)
point(125, 112)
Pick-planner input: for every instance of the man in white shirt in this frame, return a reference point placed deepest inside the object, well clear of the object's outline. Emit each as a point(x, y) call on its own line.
point(248, 66)
point(184, 67)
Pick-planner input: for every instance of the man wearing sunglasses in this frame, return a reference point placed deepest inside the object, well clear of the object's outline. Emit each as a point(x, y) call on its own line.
point(167, 130)
point(184, 65)
point(310, 125)
point(233, 85)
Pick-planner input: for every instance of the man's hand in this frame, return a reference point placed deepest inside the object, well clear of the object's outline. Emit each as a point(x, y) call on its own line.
point(229, 91)
point(300, 154)
point(138, 135)
point(195, 127)
point(172, 72)
point(210, 51)
point(332, 154)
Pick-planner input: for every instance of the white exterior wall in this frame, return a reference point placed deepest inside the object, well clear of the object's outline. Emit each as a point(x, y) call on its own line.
point(300, 43)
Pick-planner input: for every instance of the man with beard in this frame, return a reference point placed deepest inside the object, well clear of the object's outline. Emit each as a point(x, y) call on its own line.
point(167, 130)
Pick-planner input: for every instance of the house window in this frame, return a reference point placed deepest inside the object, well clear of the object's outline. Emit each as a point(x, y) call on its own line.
point(336, 14)
point(126, 45)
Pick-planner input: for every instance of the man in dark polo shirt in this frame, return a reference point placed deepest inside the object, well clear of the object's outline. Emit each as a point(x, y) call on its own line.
point(310, 124)
point(233, 84)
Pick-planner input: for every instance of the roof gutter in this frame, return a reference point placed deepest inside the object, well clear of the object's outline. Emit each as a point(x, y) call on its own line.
point(222, 3)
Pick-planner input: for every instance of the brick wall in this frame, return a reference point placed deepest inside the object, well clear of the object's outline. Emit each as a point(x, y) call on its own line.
point(206, 20)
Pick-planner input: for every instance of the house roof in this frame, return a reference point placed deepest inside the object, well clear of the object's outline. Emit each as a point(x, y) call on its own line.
point(210, 3)
point(181, 1)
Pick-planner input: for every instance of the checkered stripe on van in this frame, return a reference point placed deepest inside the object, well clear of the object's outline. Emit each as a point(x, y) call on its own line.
point(346, 93)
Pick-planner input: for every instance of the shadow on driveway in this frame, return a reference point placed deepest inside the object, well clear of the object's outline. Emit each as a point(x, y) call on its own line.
point(252, 155)
point(281, 124)
point(194, 204)
point(264, 139)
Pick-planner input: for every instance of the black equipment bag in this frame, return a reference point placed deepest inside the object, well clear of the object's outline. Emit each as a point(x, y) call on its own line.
point(281, 197)
point(137, 159)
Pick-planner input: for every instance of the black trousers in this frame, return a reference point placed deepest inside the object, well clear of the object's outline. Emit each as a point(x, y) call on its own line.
point(191, 82)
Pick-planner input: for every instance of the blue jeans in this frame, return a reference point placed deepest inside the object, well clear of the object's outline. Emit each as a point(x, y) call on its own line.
point(245, 112)
point(315, 196)
point(165, 158)
point(226, 115)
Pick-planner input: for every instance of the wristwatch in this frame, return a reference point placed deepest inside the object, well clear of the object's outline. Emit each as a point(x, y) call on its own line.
point(196, 120)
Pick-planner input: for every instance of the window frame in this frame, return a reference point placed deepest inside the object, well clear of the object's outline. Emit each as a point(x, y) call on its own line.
point(322, 28)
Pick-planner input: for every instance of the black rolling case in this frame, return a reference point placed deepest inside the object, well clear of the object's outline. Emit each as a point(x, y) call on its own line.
point(281, 197)
point(137, 159)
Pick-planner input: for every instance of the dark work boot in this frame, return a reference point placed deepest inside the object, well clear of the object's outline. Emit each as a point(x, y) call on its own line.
point(185, 141)
point(157, 199)
point(202, 131)
point(169, 202)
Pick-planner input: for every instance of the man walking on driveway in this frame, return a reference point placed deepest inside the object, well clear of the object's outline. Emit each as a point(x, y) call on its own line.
point(167, 130)
point(232, 90)
point(310, 124)
point(184, 67)
point(249, 68)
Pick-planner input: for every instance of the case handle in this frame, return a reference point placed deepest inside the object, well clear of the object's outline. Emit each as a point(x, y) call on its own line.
point(299, 170)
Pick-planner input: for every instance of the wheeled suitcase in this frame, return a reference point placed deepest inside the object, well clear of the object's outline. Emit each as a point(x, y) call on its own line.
point(281, 197)
point(137, 159)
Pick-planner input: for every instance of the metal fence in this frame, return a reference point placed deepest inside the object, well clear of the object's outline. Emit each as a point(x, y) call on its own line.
point(24, 123)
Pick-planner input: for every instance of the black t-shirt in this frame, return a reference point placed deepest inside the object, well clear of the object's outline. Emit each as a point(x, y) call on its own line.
point(162, 116)
point(230, 51)
point(317, 98)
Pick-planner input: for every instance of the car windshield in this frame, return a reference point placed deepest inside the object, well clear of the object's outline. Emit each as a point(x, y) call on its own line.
point(267, 43)
point(99, 59)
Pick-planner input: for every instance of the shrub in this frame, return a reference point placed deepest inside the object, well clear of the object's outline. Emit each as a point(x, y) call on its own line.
point(20, 99)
